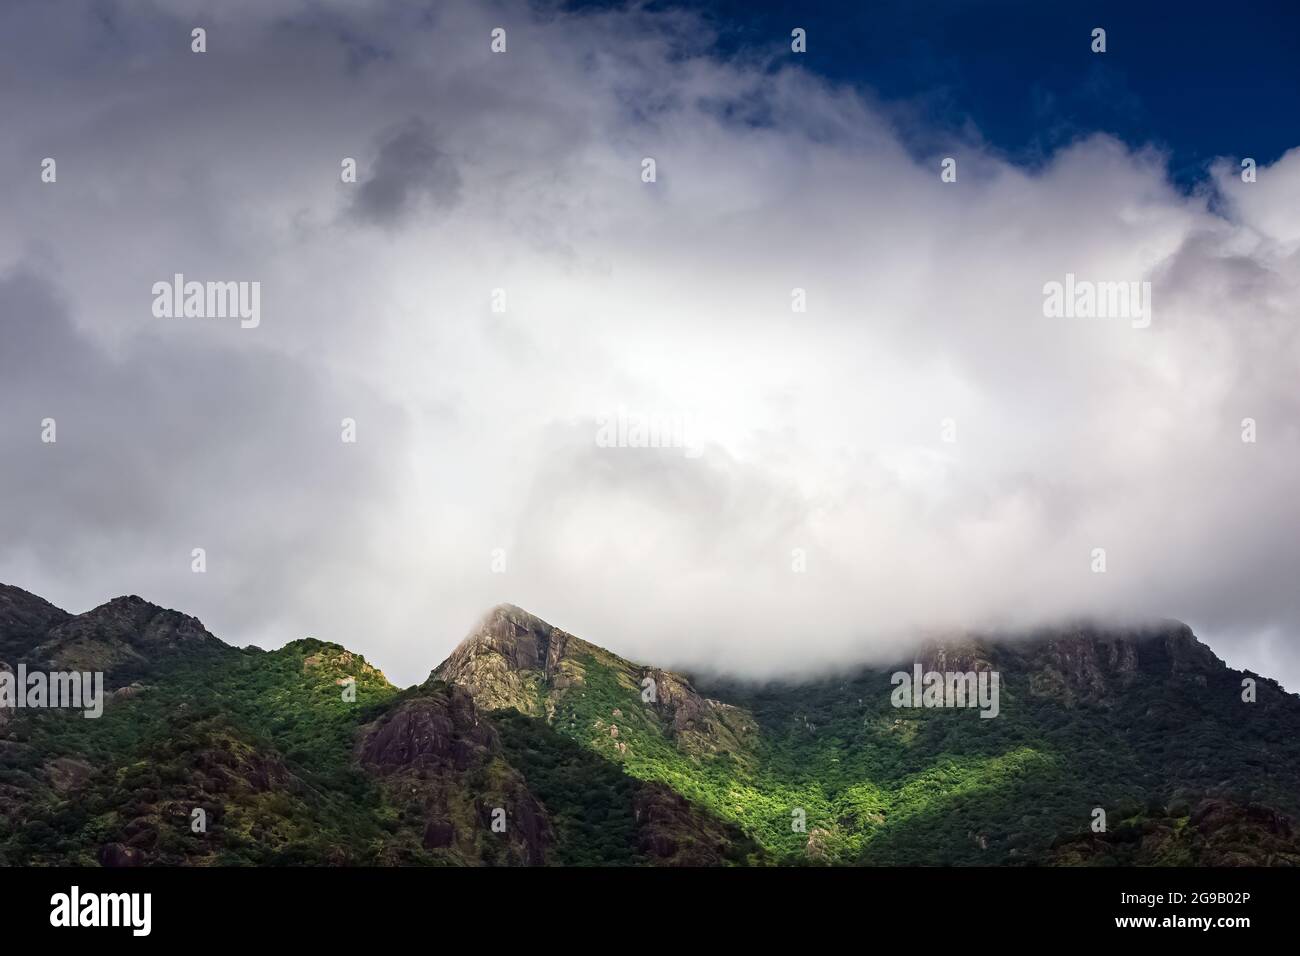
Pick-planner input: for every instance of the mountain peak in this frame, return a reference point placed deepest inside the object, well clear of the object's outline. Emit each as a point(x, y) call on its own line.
point(503, 614)
point(506, 658)
point(126, 635)
point(516, 660)
point(1085, 661)
point(25, 619)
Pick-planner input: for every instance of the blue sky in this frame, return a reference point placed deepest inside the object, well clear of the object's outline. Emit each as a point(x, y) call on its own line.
point(1196, 79)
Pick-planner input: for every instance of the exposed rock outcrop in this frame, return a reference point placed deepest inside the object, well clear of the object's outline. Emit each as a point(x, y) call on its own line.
point(429, 732)
point(516, 660)
point(608, 761)
point(127, 634)
point(509, 660)
point(675, 832)
point(25, 619)
point(434, 750)
point(1085, 663)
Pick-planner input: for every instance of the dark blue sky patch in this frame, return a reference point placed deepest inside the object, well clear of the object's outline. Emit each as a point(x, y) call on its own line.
point(1196, 79)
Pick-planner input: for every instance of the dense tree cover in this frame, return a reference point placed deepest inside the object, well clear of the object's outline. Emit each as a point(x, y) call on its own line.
point(823, 772)
point(589, 799)
point(264, 744)
point(260, 742)
point(877, 784)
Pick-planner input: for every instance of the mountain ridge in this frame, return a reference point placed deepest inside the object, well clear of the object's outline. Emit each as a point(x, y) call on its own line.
point(528, 745)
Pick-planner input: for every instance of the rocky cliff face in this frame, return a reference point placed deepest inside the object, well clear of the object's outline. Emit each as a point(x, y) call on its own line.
point(1086, 664)
point(511, 659)
point(699, 724)
point(127, 633)
point(440, 759)
point(435, 731)
point(674, 832)
point(516, 660)
point(125, 638)
point(25, 619)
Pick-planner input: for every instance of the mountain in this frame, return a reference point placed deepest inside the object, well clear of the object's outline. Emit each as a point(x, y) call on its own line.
point(1133, 722)
point(280, 767)
point(531, 746)
point(515, 660)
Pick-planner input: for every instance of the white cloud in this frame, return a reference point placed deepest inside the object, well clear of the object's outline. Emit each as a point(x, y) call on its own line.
point(822, 430)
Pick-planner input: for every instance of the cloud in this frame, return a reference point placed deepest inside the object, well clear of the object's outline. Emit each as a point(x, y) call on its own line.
point(821, 433)
point(409, 170)
point(163, 449)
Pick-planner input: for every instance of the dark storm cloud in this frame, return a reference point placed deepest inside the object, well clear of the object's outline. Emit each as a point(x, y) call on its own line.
point(170, 445)
point(410, 174)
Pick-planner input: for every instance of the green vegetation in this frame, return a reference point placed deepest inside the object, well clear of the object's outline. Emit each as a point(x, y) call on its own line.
point(881, 785)
point(266, 747)
point(590, 800)
point(261, 742)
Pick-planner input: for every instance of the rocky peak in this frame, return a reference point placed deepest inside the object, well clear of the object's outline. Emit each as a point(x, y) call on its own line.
point(25, 619)
point(524, 640)
point(507, 659)
point(125, 632)
point(1085, 662)
point(1092, 663)
point(516, 660)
